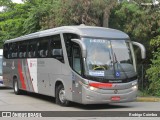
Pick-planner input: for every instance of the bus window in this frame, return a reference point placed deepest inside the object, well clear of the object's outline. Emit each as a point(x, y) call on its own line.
point(68, 44)
point(56, 48)
point(42, 48)
point(22, 50)
point(76, 59)
point(14, 50)
point(6, 50)
point(32, 49)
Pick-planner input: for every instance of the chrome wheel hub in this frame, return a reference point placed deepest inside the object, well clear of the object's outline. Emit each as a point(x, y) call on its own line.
point(16, 86)
point(62, 95)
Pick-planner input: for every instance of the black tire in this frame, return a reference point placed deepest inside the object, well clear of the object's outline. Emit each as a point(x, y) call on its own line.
point(17, 91)
point(60, 93)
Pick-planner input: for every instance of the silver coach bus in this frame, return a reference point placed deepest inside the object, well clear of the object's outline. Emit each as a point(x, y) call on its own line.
point(83, 64)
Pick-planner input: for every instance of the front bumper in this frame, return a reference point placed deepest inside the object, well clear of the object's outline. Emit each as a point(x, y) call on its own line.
point(95, 97)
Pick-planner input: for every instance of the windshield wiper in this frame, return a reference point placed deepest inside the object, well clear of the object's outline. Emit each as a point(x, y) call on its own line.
point(114, 70)
point(118, 64)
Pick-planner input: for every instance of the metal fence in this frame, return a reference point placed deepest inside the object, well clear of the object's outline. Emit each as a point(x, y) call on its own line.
point(143, 81)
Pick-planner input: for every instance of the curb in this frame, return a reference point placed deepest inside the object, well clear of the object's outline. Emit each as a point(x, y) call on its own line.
point(148, 99)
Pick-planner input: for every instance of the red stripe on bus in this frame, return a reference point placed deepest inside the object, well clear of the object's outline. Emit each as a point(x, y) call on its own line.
point(21, 75)
point(29, 75)
point(101, 85)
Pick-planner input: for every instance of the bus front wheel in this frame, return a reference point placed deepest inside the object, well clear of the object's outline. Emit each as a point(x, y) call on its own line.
point(16, 87)
point(60, 96)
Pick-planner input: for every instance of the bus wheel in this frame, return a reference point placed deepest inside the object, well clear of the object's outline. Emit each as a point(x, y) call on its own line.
point(60, 96)
point(16, 87)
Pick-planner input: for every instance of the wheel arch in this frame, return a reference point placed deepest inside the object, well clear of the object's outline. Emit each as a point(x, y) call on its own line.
point(57, 83)
point(15, 77)
point(16, 85)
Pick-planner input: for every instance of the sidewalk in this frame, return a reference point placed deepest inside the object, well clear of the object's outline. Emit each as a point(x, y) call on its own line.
point(148, 99)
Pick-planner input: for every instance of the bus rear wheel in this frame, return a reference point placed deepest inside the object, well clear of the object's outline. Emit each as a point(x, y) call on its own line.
point(60, 96)
point(17, 91)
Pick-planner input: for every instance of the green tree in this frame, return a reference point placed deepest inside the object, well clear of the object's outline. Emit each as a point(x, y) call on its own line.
point(153, 73)
point(11, 21)
point(49, 14)
point(89, 12)
point(141, 23)
point(5, 2)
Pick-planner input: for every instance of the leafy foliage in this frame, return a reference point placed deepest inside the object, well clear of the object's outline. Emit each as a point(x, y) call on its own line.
point(89, 12)
point(11, 21)
point(153, 72)
point(142, 24)
point(36, 15)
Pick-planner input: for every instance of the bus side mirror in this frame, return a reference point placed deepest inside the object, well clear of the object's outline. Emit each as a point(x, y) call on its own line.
point(82, 46)
point(143, 50)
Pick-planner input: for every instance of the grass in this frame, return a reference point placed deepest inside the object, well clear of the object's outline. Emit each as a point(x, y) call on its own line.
point(143, 96)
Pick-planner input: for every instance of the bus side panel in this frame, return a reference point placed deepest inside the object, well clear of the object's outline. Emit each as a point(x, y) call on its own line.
point(77, 88)
point(44, 69)
point(24, 75)
point(49, 72)
point(67, 79)
point(17, 68)
point(7, 72)
point(31, 74)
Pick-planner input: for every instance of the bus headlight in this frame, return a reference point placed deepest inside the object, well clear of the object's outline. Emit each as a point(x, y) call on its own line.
point(92, 88)
point(87, 86)
point(134, 87)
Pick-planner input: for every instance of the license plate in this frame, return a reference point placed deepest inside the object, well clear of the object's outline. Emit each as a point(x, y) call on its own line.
point(115, 98)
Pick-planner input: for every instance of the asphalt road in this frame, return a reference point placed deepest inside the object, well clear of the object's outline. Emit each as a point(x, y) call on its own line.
point(34, 102)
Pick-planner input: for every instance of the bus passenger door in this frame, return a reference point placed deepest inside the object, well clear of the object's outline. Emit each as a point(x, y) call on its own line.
point(77, 67)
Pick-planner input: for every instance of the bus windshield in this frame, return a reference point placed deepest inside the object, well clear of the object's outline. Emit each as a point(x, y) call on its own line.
point(109, 59)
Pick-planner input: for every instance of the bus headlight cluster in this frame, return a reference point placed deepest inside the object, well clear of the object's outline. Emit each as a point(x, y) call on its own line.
point(87, 86)
point(134, 87)
point(92, 88)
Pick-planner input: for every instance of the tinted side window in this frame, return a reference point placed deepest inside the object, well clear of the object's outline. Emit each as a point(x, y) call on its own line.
point(32, 48)
point(14, 50)
point(68, 44)
point(77, 58)
point(6, 50)
point(42, 48)
point(22, 50)
point(56, 48)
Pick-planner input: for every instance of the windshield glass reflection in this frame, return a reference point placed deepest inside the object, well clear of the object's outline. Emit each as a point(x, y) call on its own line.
point(108, 58)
